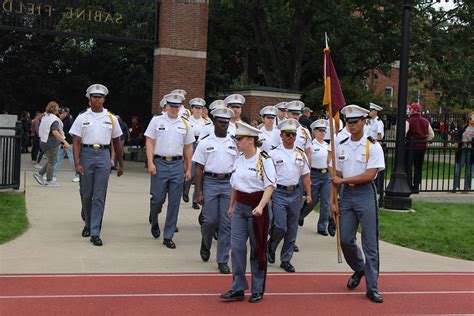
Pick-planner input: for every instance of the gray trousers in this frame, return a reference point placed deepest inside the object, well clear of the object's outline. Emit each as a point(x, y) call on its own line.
point(48, 168)
point(216, 194)
point(242, 229)
point(93, 186)
point(187, 184)
point(169, 180)
point(320, 192)
point(359, 205)
point(286, 212)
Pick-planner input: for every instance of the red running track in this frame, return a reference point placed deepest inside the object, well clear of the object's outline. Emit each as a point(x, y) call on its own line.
point(197, 293)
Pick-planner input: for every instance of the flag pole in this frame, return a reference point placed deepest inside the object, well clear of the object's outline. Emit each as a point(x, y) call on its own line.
point(333, 157)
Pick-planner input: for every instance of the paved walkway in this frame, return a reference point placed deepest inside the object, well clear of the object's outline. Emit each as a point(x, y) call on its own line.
point(53, 242)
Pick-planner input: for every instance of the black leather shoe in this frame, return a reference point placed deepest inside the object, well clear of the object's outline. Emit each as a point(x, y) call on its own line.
point(332, 227)
point(86, 232)
point(271, 254)
point(354, 280)
point(216, 235)
point(205, 253)
point(295, 248)
point(155, 231)
point(176, 230)
point(223, 268)
point(256, 297)
point(185, 198)
point(169, 243)
point(96, 241)
point(287, 266)
point(196, 206)
point(323, 233)
point(233, 296)
point(374, 296)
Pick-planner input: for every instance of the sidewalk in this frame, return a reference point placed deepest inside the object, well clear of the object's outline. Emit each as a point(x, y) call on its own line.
point(53, 242)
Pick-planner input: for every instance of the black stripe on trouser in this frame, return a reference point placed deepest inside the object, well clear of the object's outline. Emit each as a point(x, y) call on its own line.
point(377, 223)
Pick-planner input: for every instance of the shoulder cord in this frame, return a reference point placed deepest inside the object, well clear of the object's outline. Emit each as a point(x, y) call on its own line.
point(112, 120)
point(185, 124)
point(367, 150)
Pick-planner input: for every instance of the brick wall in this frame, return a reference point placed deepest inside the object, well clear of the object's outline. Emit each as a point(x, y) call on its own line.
point(180, 57)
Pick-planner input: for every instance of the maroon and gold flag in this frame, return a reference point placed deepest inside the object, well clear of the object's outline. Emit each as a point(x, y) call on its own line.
point(333, 97)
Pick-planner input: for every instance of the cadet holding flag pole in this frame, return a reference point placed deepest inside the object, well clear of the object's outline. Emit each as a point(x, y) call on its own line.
point(359, 159)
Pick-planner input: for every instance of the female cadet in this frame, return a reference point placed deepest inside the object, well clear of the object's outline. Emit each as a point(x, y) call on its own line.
point(320, 178)
point(252, 183)
point(197, 125)
point(270, 135)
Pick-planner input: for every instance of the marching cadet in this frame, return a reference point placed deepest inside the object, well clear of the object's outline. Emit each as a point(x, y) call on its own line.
point(303, 137)
point(290, 164)
point(358, 160)
point(281, 115)
point(252, 184)
point(168, 136)
point(375, 127)
point(320, 178)
point(93, 131)
point(197, 124)
point(214, 158)
point(270, 135)
point(235, 103)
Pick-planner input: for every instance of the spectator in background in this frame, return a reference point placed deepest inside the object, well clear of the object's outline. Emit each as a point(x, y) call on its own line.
point(418, 133)
point(465, 155)
point(25, 131)
point(36, 152)
point(136, 133)
point(304, 118)
point(67, 120)
point(51, 135)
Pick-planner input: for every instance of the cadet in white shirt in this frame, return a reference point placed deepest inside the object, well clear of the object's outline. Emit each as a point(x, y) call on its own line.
point(270, 135)
point(291, 164)
point(320, 179)
point(303, 136)
point(93, 131)
point(252, 185)
point(281, 115)
point(358, 160)
point(197, 124)
point(214, 157)
point(375, 124)
point(235, 103)
point(167, 137)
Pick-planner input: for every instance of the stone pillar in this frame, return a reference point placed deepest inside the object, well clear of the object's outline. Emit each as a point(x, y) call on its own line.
point(181, 51)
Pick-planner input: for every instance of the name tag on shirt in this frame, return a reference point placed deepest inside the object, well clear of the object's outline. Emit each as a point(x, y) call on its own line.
point(162, 128)
point(86, 124)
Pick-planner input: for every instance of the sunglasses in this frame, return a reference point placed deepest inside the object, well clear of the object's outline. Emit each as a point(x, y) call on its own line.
point(323, 130)
point(354, 120)
point(289, 134)
point(234, 106)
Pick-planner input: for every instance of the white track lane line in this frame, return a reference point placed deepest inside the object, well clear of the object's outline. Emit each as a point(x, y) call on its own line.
point(6, 297)
point(281, 274)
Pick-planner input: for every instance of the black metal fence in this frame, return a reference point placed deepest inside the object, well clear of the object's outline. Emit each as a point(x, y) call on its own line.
point(444, 166)
point(10, 161)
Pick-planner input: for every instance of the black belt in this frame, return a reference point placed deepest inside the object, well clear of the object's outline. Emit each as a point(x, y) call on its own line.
point(323, 170)
point(169, 158)
point(220, 176)
point(96, 146)
point(289, 188)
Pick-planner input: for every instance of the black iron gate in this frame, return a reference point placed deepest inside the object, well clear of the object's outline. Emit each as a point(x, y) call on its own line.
point(10, 160)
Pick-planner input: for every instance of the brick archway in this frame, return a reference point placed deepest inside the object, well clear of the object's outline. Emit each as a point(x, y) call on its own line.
point(181, 52)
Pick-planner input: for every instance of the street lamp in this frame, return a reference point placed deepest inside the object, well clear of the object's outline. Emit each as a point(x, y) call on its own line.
point(397, 193)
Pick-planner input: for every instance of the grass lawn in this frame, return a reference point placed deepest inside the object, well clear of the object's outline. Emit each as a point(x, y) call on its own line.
point(13, 219)
point(446, 229)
